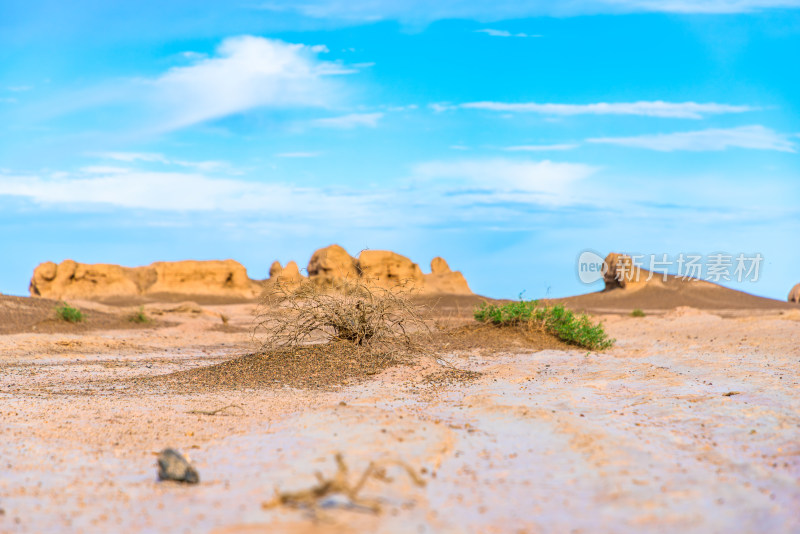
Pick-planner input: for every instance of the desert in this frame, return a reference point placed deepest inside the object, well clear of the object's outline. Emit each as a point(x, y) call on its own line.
point(400, 267)
point(689, 421)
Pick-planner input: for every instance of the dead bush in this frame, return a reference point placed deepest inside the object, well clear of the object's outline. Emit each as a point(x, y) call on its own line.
point(351, 311)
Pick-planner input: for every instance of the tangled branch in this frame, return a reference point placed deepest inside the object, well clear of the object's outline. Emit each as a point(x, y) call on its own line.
point(351, 311)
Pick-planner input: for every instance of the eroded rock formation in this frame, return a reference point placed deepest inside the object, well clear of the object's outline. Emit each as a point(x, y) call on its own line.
point(794, 294)
point(382, 268)
point(389, 269)
point(70, 279)
point(332, 262)
point(619, 271)
point(443, 280)
point(289, 274)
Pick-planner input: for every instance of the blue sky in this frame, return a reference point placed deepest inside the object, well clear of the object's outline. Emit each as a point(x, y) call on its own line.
point(507, 137)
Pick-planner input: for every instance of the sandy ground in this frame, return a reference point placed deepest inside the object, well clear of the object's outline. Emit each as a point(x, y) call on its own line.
point(691, 423)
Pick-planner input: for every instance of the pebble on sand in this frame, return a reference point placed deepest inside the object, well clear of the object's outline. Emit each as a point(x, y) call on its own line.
point(172, 465)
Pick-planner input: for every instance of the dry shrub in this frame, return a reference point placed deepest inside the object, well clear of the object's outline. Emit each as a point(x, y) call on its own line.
point(351, 311)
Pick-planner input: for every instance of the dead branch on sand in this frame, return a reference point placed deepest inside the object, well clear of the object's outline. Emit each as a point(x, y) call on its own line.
point(218, 410)
point(353, 311)
point(339, 484)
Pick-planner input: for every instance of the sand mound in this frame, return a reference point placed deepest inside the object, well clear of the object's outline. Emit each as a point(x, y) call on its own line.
point(102, 281)
point(629, 287)
point(687, 311)
point(670, 294)
point(324, 366)
point(311, 367)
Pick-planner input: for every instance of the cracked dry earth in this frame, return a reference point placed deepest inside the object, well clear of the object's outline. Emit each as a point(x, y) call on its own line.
point(691, 423)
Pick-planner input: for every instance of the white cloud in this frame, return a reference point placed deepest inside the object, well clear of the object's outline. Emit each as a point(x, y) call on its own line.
point(130, 157)
point(703, 6)
point(152, 157)
point(508, 180)
point(416, 12)
point(658, 108)
point(246, 72)
point(297, 155)
point(440, 107)
point(439, 190)
point(539, 148)
point(104, 169)
point(193, 55)
point(410, 107)
point(504, 33)
point(714, 139)
point(346, 122)
point(182, 192)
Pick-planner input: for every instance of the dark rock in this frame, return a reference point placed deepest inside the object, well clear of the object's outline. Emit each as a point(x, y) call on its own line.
point(172, 465)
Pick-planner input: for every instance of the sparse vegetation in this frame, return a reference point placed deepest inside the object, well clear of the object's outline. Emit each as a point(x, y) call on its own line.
point(353, 312)
point(65, 312)
point(557, 320)
point(139, 316)
point(637, 313)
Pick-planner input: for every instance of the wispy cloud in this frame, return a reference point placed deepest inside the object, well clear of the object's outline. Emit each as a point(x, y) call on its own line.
point(346, 122)
point(104, 169)
point(539, 148)
point(511, 180)
point(440, 107)
point(504, 33)
point(657, 108)
point(182, 192)
point(704, 6)
point(754, 137)
point(152, 157)
point(417, 12)
point(448, 185)
point(298, 155)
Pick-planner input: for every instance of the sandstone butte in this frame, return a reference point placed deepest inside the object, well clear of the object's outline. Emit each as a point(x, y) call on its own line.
point(229, 278)
point(794, 294)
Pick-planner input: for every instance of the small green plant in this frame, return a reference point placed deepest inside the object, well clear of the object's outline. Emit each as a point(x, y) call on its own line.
point(139, 316)
point(637, 313)
point(557, 320)
point(67, 313)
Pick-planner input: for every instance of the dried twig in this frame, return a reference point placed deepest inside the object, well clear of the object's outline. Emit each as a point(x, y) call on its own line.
point(218, 410)
point(339, 484)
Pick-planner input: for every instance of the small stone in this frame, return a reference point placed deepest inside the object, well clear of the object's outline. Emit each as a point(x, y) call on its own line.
point(172, 465)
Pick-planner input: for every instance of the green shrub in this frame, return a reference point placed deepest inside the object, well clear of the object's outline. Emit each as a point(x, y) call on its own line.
point(557, 320)
point(67, 313)
point(637, 313)
point(139, 316)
